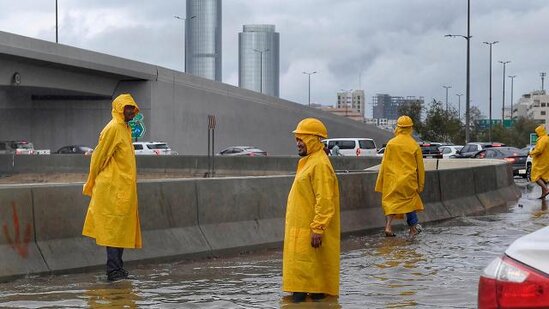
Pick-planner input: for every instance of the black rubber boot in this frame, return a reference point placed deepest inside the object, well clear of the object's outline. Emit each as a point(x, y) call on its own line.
point(298, 297)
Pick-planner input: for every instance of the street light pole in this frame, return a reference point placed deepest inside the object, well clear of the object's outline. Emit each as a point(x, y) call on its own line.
point(447, 87)
point(309, 74)
point(512, 77)
point(542, 75)
point(468, 90)
point(490, 97)
point(185, 39)
point(459, 106)
point(261, 67)
point(56, 23)
point(503, 104)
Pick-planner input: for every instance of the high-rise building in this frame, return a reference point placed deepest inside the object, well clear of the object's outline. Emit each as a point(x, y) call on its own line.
point(203, 38)
point(258, 59)
point(386, 106)
point(352, 100)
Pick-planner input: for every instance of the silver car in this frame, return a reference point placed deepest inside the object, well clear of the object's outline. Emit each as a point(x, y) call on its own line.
point(250, 151)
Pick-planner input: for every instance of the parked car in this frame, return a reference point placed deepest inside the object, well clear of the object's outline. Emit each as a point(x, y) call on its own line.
point(242, 151)
point(449, 150)
point(520, 277)
point(528, 165)
point(471, 149)
point(511, 155)
point(352, 146)
point(431, 150)
point(75, 149)
point(16, 147)
point(153, 148)
point(380, 152)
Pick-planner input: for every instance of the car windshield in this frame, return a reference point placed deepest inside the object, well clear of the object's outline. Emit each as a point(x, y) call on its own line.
point(158, 146)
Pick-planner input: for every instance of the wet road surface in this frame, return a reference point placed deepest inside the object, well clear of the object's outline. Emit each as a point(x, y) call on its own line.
point(439, 269)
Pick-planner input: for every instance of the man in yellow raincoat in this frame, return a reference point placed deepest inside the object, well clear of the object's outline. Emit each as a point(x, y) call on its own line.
point(113, 218)
point(540, 161)
point(311, 240)
point(401, 178)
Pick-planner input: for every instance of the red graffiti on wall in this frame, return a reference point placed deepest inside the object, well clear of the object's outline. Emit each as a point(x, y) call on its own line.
point(18, 243)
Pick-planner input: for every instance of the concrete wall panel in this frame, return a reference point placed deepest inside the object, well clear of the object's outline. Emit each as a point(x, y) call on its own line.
point(19, 254)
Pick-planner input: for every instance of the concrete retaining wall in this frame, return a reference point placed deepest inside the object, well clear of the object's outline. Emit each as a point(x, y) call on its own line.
point(189, 217)
point(192, 165)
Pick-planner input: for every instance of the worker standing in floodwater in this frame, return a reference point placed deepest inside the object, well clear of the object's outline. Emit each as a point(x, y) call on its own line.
point(312, 233)
point(540, 161)
point(401, 178)
point(113, 218)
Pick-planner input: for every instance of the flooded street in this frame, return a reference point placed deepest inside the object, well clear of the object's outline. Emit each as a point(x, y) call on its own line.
point(439, 269)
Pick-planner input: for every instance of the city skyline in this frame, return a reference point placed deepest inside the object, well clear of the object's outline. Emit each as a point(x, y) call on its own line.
point(392, 47)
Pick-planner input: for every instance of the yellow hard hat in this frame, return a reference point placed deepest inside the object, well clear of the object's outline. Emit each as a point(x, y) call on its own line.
point(404, 122)
point(311, 126)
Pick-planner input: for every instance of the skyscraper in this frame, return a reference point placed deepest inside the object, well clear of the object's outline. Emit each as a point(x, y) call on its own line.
point(258, 58)
point(203, 30)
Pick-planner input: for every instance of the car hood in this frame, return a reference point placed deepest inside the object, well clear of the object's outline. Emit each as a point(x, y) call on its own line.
point(532, 250)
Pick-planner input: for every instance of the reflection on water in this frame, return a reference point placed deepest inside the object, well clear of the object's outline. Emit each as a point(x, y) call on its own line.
point(439, 269)
point(108, 295)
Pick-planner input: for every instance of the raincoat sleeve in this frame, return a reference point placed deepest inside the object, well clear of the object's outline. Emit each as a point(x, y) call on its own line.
point(324, 186)
point(420, 171)
point(379, 181)
point(538, 149)
point(100, 157)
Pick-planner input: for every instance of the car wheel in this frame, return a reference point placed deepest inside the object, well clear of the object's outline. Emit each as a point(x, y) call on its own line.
point(528, 172)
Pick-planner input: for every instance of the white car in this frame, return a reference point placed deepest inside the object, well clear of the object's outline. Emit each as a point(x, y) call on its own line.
point(352, 146)
point(448, 150)
point(153, 148)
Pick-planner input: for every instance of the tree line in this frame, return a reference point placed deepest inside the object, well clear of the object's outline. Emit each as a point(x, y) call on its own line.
point(441, 125)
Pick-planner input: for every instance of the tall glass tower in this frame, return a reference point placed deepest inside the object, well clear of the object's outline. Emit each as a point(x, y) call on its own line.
point(203, 32)
point(258, 57)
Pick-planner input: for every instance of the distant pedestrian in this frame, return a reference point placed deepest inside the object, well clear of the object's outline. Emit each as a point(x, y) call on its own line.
point(401, 178)
point(335, 150)
point(113, 218)
point(311, 240)
point(540, 161)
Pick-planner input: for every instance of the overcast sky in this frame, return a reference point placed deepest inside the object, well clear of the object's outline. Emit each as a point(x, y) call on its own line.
point(382, 46)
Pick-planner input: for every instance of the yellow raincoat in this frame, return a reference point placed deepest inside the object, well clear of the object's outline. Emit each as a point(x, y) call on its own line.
point(540, 156)
point(113, 218)
point(402, 175)
point(313, 206)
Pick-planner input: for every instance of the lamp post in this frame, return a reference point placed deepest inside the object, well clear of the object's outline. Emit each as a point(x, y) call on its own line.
point(309, 74)
point(185, 39)
point(468, 90)
point(56, 23)
point(512, 77)
point(503, 101)
point(542, 75)
point(490, 97)
point(261, 66)
point(459, 106)
point(447, 87)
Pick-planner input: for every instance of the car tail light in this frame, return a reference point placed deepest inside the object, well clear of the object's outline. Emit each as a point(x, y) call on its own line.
point(510, 160)
point(157, 152)
point(506, 283)
point(251, 154)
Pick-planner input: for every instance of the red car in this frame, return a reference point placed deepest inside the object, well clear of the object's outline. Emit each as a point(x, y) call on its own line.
point(519, 278)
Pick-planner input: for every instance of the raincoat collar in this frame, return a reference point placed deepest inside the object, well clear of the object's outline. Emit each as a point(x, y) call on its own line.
point(118, 106)
point(540, 131)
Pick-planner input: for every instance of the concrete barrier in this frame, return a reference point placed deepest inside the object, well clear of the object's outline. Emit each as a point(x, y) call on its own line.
point(189, 217)
point(18, 250)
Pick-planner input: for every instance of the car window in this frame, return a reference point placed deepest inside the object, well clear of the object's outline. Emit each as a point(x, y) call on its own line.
point(446, 150)
point(137, 146)
point(490, 153)
point(22, 146)
point(468, 148)
point(157, 146)
point(346, 144)
point(331, 144)
point(2, 146)
point(366, 144)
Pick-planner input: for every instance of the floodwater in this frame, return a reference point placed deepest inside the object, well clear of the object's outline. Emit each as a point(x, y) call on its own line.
point(439, 269)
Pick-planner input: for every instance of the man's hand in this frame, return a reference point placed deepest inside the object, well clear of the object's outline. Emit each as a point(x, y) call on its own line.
point(316, 240)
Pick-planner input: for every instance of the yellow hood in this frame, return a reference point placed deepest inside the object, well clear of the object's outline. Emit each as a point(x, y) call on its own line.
point(312, 142)
point(540, 130)
point(118, 106)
